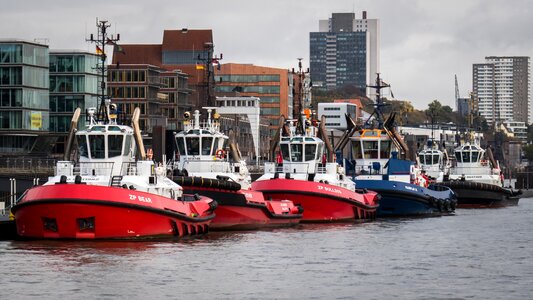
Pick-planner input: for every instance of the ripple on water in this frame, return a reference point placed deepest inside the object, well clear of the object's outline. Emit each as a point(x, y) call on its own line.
point(476, 253)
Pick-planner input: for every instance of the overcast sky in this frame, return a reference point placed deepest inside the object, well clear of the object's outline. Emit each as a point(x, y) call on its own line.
point(424, 43)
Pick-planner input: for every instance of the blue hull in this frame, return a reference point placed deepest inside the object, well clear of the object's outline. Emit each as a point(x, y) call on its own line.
point(405, 199)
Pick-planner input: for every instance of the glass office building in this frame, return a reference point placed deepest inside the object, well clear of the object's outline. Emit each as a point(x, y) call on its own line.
point(338, 59)
point(24, 105)
point(73, 84)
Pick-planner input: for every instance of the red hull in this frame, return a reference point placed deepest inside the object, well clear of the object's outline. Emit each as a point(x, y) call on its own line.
point(79, 211)
point(247, 209)
point(321, 202)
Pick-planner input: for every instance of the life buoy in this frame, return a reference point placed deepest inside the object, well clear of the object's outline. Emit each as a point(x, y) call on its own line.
point(220, 154)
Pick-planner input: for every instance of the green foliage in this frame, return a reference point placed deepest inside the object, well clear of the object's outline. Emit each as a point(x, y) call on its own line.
point(530, 133)
point(528, 152)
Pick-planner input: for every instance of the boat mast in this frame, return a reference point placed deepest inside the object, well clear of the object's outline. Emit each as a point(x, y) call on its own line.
point(102, 39)
point(379, 102)
point(299, 109)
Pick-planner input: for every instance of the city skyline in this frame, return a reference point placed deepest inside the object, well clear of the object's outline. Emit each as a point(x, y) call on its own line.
point(423, 43)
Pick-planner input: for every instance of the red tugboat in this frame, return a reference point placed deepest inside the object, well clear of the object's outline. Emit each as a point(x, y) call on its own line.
point(110, 195)
point(204, 167)
point(321, 187)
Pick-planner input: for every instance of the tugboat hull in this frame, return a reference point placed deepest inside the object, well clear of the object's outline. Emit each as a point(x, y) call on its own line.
point(471, 194)
point(321, 202)
point(404, 199)
point(79, 211)
point(242, 209)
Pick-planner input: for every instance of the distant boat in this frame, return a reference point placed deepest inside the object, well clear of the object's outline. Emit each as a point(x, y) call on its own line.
point(208, 165)
point(109, 194)
point(477, 179)
point(306, 177)
point(404, 189)
point(434, 163)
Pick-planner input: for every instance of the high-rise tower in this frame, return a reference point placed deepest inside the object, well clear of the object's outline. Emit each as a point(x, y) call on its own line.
point(502, 87)
point(345, 51)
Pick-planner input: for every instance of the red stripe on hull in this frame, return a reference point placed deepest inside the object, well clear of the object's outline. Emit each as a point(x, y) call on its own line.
point(321, 202)
point(115, 213)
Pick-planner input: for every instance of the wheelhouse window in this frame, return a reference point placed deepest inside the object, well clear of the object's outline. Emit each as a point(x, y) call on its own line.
point(82, 146)
point(385, 149)
point(296, 152)
point(475, 156)
point(458, 156)
point(193, 146)
point(207, 143)
point(114, 144)
point(356, 150)
point(466, 156)
point(285, 152)
point(127, 146)
point(310, 150)
point(422, 158)
point(181, 145)
point(436, 159)
point(371, 149)
point(97, 146)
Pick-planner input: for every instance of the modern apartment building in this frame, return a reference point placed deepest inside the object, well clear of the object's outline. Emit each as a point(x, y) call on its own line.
point(345, 51)
point(73, 84)
point(502, 87)
point(273, 86)
point(24, 104)
point(185, 51)
point(161, 95)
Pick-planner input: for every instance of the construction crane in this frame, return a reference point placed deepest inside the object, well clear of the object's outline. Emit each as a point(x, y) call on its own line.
point(456, 93)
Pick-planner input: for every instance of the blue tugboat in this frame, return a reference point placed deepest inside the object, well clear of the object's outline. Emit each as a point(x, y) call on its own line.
point(405, 189)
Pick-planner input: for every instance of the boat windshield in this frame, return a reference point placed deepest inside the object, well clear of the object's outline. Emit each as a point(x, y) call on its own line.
point(193, 145)
point(296, 152)
point(285, 152)
point(97, 146)
point(436, 159)
point(466, 156)
point(310, 151)
point(356, 150)
point(114, 144)
point(207, 143)
point(385, 149)
point(127, 147)
point(475, 156)
point(82, 146)
point(370, 149)
point(181, 145)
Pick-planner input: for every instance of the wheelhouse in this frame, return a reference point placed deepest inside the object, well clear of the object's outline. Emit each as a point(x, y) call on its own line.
point(468, 154)
point(106, 149)
point(301, 149)
point(200, 142)
point(371, 144)
point(430, 157)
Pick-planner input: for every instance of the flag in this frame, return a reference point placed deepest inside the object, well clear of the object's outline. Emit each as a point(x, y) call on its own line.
point(200, 67)
point(99, 51)
point(116, 47)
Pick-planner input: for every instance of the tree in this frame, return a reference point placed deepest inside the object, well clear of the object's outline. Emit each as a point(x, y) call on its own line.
point(528, 152)
point(530, 133)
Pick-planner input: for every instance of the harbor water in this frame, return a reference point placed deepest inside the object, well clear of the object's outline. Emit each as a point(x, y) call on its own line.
point(474, 254)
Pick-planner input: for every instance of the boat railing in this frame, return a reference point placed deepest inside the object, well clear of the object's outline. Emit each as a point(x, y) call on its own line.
point(370, 169)
point(94, 168)
point(129, 168)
